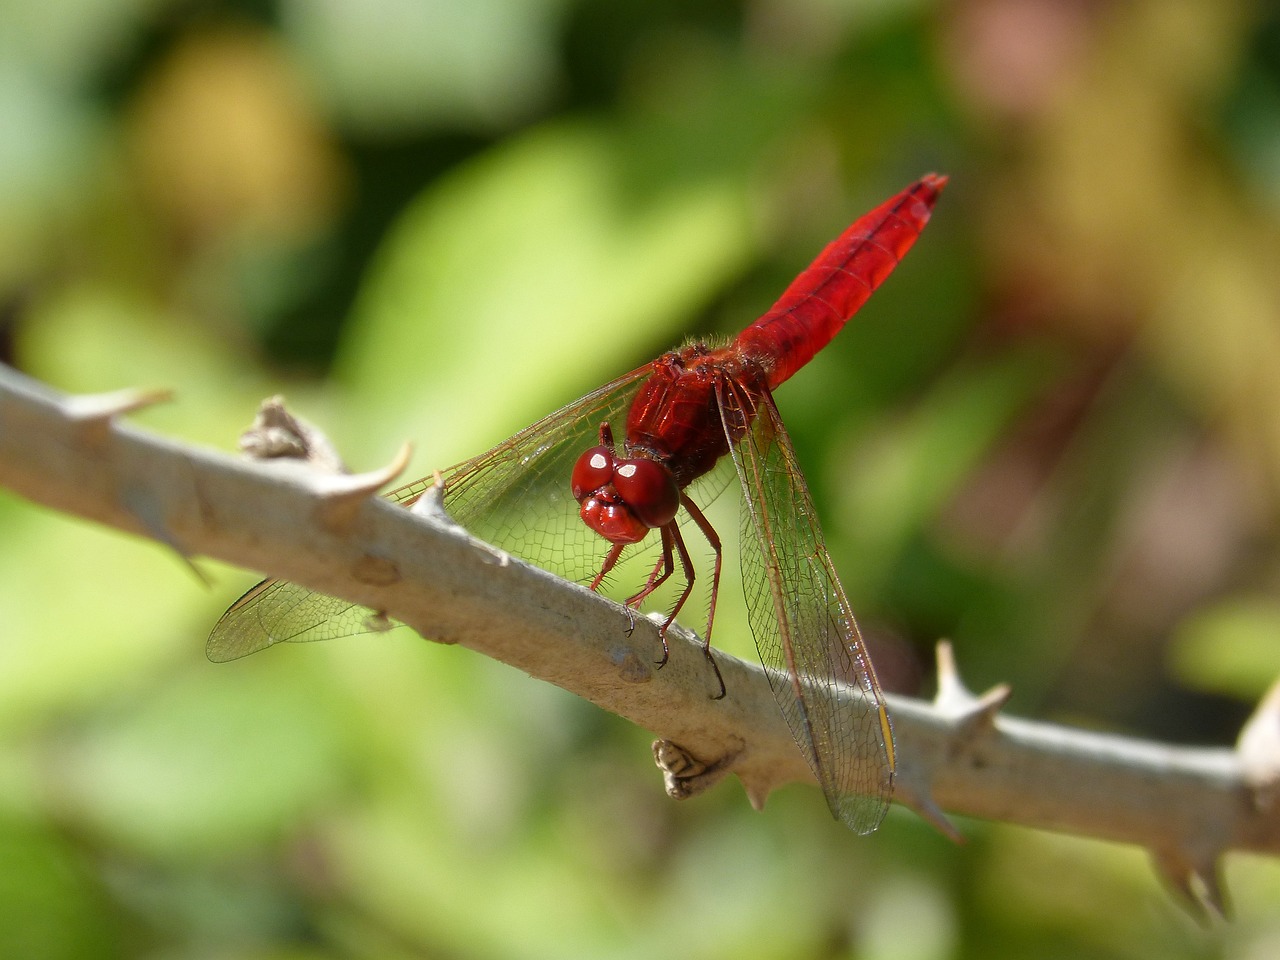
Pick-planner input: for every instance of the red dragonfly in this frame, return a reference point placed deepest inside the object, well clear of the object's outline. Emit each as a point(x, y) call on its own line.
point(551, 491)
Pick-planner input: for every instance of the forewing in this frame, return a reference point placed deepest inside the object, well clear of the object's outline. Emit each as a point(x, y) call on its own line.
point(515, 496)
point(804, 629)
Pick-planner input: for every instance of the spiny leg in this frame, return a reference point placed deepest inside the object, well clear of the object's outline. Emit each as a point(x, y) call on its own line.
point(610, 561)
point(666, 564)
point(713, 538)
point(670, 536)
point(654, 581)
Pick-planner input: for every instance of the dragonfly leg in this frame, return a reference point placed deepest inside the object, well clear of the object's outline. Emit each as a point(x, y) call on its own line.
point(610, 561)
point(686, 564)
point(655, 579)
point(713, 538)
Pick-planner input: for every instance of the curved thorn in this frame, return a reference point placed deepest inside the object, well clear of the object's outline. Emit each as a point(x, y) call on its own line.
point(142, 504)
point(954, 700)
point(924, 806)
point(93, 415)
point(950, 685)
point(1213, 890)
point(430, 503)
point(1195, 881)
point(343, 494)
point(981, 713)
point(1259, 749)
point(757, 789)
point(95, 406)
point(912, 789)
point(93, 412)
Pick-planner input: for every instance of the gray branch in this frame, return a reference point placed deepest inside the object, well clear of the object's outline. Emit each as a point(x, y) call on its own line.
point(330, 532)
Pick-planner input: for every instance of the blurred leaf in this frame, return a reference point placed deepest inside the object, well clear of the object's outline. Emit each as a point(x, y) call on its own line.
point(1231, 647)
point(84, 613)
point(228, 146)
point(207, 763)
point(591, 177)
point(69, 40)
point(397, 64)
point(1251, 117)
point(524, 279)
point(904, 471)
point(50, 908)
point(94, 336)
point(48, 148)
point(1062, 896)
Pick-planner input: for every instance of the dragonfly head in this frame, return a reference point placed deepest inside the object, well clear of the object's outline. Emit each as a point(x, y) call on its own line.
point(622, 500)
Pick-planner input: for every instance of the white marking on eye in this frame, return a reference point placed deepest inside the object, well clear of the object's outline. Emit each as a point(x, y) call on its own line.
point(598, 461)
point(626, 470)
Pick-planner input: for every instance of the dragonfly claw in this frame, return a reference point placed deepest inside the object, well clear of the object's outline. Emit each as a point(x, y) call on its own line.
point(716, 667)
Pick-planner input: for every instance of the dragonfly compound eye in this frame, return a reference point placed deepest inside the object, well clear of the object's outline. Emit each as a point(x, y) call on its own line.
point(592, 471)
point(649, 489)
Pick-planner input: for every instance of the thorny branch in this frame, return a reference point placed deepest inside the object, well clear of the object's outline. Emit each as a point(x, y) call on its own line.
point(331, 533)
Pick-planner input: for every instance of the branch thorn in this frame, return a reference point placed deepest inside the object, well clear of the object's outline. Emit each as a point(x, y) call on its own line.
point(343, 494)
point(1196, 882)
point(757, 787)
point(914, 794)
point(144, 507)
point(965, 709)
point(93, 412)
point(1259, 749)
point(430, 503)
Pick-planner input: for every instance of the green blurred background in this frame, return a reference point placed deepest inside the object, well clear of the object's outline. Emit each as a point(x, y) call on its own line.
point(1054, 436)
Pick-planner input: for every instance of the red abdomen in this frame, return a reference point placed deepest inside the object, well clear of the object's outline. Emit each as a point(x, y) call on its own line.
point(676, 417)
point(838, 282)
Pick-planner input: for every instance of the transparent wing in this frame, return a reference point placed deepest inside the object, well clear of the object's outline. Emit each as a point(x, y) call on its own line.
point(515, 496)
point(804, 629)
